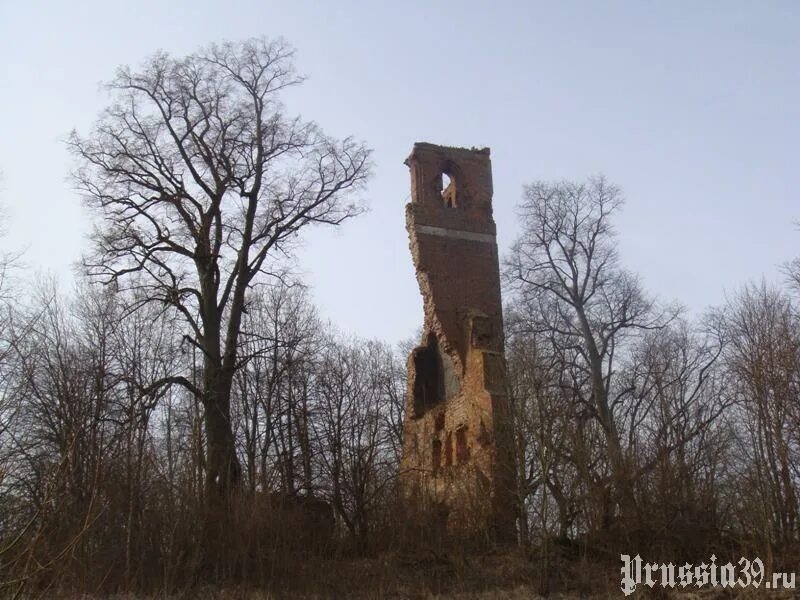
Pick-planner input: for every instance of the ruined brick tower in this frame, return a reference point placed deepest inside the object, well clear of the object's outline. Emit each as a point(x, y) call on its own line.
point(457, 452)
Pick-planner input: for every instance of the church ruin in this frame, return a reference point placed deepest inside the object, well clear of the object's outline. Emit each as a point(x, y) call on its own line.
point(457, 447)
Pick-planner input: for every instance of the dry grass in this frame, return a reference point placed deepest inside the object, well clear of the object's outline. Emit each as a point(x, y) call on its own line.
point(502, 575)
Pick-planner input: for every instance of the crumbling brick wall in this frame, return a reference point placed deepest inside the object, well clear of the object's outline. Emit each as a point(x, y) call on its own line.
point(457, 453)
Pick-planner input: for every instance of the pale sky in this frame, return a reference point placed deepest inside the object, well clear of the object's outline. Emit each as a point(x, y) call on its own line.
point(693, 108)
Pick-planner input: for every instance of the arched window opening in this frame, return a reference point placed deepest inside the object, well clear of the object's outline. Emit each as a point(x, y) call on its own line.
point(449, 198)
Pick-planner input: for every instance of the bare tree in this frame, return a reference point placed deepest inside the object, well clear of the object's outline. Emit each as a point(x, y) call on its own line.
point(544, 417)
point(357, 454)
point(565, 270)
point(792, 271)
point(763, 361)
point(676, 433)
point(9, 262)
point(201, 182)
point(282, 334)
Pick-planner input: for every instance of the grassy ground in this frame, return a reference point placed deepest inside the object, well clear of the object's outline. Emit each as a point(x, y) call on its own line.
point(503, 575)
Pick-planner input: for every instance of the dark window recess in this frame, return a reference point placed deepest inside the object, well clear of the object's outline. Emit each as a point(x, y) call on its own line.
point(448, 450)
point(462, 450)
point(428, 386)
point(437, 455)
point(439, 423)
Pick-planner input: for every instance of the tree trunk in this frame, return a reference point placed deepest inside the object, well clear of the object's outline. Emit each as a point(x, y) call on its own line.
point(223, 472)
point(623, 484)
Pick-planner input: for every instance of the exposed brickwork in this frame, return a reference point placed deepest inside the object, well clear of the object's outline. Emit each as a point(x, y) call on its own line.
point(457, 447)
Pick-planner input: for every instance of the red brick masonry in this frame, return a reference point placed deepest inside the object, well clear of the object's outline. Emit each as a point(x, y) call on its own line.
point(457, 448)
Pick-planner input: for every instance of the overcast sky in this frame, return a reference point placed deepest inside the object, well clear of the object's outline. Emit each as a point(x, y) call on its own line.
point(693, 108)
